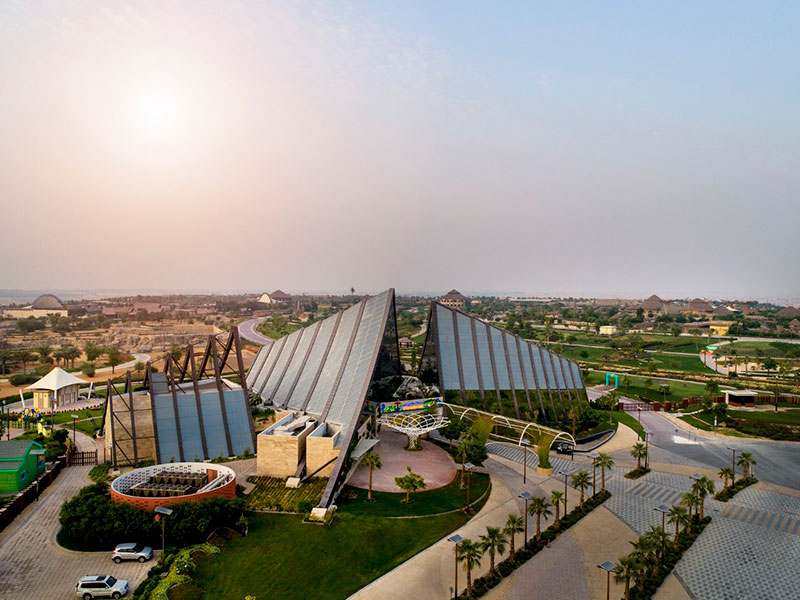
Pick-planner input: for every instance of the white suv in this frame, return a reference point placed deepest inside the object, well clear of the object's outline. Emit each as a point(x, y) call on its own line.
point(131, 552)
point(101, 586)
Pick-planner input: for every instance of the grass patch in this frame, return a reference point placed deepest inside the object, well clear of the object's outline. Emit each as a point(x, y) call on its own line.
point(781, 417)
point(629, 420)
point(430, 502)
point(308, 561)
point(271, 493)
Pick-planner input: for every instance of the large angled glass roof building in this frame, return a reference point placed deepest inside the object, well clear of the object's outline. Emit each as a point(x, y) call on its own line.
point(488, 368)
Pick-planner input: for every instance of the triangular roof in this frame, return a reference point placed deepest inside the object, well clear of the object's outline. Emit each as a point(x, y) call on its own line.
point(55, 380)
point(15, 449)
point(454, 295)
point(279, 294)
point(789, 311)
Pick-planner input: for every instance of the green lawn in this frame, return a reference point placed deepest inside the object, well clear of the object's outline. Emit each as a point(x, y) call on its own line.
point(388, 504)
point(612, 358)
point(629, 420)
point(758, 350)
point(282, 557)
point(677, 389)
point(783, 417)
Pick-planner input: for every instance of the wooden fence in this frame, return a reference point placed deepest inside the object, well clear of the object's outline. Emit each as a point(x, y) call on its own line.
point(82, 458)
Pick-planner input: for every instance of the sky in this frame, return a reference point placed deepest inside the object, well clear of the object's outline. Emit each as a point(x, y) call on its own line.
point(569, 149)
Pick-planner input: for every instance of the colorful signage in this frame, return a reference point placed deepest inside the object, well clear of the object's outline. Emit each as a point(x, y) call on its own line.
point(407, 405)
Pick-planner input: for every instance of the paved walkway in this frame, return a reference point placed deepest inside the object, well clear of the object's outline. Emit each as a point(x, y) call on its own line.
point(34, 567)
point(434, 464)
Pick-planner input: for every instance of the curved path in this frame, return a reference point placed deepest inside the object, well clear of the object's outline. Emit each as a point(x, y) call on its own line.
point(248, 330)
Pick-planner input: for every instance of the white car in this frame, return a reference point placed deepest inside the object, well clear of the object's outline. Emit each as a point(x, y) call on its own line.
point(131, 552)
point(101, 586)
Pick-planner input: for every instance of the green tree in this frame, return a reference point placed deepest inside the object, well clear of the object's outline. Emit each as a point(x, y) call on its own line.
point(725, 473)
point(605, 462)
point(176, 352)
point(24, 356)
point(689, 500)
point(514, 525)
point(6, 357)
point(88, 369)
point(639, 452)
point(469, 553)
point(678, 516)
point(626, 570)
point(70, 353)
point(769, 364)
point(746, 461)
point(557, 497)
point(410, 482)
point(371, 460)
point(493, 542)
point(92, 351)
point(581, 481)
point(702, 488)
point(539, 506)
point(114, 358)
point(44, 351)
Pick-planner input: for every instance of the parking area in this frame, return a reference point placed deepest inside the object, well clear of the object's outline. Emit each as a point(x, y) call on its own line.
point(33, 566)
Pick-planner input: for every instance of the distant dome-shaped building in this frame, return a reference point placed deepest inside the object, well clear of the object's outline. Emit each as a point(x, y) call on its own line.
point(44, 305)
point(47, 302)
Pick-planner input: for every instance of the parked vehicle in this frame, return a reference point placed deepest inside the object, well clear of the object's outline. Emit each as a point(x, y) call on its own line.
point(131, 552)
point(101, 586)
point(564, 448)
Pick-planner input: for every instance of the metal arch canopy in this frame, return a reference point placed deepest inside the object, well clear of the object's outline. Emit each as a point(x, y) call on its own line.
point(515, 425)
point(414, 425)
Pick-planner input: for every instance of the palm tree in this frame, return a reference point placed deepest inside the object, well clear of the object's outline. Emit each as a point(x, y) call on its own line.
point(689, 500)
point(557, 498)
point(44, 353)
point(725, 473)
point(539, 505)
point(746, 461)
point(462, 451)
point(6, 356)
point(580, 481)
point(643, 555)
point(70, 353)
point(470, 553)
point(574, 413)
point(702, 488)
point(626, 570)
point(639, 452)
point(658, 540)
point(371, 460)
point(493, 542)
point(24, 356)
point(514, 525)
point(679, 516)
point(605, 462)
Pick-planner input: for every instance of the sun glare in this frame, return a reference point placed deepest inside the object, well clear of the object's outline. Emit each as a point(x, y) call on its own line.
point(157, 113)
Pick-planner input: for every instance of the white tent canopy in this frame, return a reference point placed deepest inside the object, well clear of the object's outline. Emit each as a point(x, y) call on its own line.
point(55, 380)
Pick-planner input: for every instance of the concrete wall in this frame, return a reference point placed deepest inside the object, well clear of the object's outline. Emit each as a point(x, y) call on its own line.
point(280, 455)
point(319, 450)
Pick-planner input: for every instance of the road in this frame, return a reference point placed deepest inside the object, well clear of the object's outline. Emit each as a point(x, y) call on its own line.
point(777, 462)
point(247, 329)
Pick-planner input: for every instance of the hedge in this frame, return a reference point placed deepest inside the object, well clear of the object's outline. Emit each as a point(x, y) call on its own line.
point(729, 492)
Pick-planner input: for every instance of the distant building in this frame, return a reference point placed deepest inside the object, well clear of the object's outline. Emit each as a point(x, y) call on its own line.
point(608, 329)
point(719, 329)
point(454, 299)
point(280, 297)
point(57, 388)
point(789, 312)
point(794, 324)
point(43, 306)
point(264, 299)
point(150, 307)
point(653, 304)
point(698, 305)
point(21, 462)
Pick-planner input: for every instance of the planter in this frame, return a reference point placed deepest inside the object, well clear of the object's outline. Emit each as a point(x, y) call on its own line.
point(543, 471)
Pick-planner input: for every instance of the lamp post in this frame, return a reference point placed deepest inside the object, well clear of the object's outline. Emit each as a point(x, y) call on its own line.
point(456, 539)
point(663, 509)
point(608, 567)
point(647, 433)
point(594, 456)
point(733, 465)
point(74, 419)
point(525, 443)
point(564, 473)
point(468, 467)
point(163, 512)
point(526, 496)
point(39, 454)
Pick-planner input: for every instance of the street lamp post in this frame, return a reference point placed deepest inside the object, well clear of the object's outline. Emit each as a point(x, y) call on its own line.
point(74, 420)
point(468, 467)
point(163, 512)
point(663, 509)
point(647, 433)
point(564, 473)
point(733, 465)
point(526, 496)
point(456, 539)
point(525, 443)
point(608, 567)
point(594, 456)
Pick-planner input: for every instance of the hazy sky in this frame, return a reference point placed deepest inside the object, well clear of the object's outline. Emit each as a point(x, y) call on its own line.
point(596, 148)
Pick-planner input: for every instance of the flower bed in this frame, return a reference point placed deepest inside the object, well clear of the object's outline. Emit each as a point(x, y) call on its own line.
point(482, 585)
point(271, 494)
point(730, 491)
point(636, 473)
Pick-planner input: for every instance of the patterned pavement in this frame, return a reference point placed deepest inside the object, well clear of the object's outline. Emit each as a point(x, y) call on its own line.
point(746, 551)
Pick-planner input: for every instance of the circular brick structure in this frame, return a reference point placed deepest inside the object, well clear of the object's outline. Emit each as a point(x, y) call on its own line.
point(170, 483)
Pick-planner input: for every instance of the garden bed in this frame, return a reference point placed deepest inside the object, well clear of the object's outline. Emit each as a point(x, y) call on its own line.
point(271, 494)
point(729, 492)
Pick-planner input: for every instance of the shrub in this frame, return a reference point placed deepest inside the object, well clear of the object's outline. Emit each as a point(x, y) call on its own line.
point(543, 450)
point(726, 494)
point(21, 379)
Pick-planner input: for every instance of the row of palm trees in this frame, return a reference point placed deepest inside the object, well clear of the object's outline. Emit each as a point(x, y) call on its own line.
point(496, 539)
point(644, 562)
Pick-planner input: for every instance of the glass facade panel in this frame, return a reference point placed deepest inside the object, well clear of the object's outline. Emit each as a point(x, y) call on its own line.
point(513, 360)
point(312, 366)
point(238, 412)
point(330, 370)
point(215, 429)
point(554, 360)
point(548, 367)
point(500, 359)
point(261, 380)
point(447, 349)
point(281, 395)
point(484, 357)
point(167, 432)
point(527, 367)
point(190, 428)
point(576, 375)
point(254, 371)
point(280, 365)
point(347, 400)
point(467, 347)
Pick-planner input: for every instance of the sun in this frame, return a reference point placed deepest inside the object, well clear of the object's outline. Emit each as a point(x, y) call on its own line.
point(158, 113)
